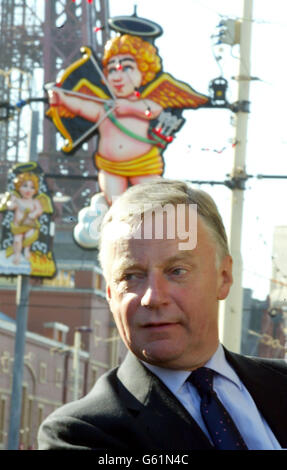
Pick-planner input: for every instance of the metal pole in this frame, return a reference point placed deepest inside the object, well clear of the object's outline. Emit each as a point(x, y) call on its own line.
point(232, 316)
point(22, 301)
point(65, 378)
point(76, 363)
point(32, 139)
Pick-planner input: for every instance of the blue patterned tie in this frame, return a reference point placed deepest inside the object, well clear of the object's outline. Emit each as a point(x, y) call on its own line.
point(219, 423)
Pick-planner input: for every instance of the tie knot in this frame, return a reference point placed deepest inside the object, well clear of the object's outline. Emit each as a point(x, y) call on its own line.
point(202, 379)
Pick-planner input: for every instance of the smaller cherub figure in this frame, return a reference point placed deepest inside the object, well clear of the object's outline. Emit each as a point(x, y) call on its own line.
point(25, 226)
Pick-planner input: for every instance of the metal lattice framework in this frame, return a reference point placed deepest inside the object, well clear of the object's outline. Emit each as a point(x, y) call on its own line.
point(21, 31)
point(68, 26)
point(38, 40)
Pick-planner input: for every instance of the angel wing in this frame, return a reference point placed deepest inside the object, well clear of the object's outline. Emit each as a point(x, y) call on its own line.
point(4, 200)
point(171, 93)
point(46, 203)
point(7, 200)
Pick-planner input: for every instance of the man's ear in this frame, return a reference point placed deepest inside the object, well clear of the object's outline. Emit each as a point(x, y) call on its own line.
point(225, 279)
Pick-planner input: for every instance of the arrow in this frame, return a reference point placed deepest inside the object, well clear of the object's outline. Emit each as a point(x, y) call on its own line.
point(49, 87)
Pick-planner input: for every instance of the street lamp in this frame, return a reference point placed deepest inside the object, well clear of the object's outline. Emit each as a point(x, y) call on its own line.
point(76, 359)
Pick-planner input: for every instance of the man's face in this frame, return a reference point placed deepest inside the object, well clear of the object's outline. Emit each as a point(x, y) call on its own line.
point(123, 75)
point(165, 300)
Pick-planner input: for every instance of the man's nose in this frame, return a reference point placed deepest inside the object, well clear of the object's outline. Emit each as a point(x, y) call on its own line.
point(156, 292)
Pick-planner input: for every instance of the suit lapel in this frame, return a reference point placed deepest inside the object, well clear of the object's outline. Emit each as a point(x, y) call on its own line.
point(166, 422)
point(268, 387)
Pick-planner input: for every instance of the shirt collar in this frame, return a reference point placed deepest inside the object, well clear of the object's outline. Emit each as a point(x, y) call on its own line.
point(174, 379)
point(219, 364)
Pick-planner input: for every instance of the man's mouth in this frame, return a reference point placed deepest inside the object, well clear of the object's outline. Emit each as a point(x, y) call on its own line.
point(160, 325)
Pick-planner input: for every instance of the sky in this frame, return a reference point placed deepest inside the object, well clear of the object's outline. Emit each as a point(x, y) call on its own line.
point(203, 148)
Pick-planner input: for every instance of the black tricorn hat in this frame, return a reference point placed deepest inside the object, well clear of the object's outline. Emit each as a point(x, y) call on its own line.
point(135, 26)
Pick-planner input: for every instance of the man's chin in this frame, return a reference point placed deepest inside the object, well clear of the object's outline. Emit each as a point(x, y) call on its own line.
point(162, 355)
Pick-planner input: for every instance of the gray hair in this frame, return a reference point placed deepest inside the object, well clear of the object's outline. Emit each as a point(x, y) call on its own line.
point(159, 193)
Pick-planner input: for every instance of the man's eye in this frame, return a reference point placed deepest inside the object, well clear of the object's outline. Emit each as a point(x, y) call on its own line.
point(126, 68)
point(132, 276)
point(178, 271)
point(128, 277)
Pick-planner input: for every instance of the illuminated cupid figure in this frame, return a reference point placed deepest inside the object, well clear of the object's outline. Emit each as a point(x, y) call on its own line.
point(134, 106)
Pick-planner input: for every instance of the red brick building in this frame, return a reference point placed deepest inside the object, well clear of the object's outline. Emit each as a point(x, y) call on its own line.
point(57, 308)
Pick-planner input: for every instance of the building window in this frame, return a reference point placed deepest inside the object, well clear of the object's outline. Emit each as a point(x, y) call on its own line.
point(40, 414)
point(98, 281)
point(58, 378)
point(23, 429)
point(43, 373)
point(28, 440)
point(5, 362)
point(94, 376)
point(57, 331)
point(96, 331)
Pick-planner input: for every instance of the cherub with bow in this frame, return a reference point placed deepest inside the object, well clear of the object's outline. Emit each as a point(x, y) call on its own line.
point(137, 125)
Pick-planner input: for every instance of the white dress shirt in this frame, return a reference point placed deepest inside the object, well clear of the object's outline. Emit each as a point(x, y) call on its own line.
point(233, 395)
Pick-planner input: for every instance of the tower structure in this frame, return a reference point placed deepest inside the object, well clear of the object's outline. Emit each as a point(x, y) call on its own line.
point(68, 26)
point(21, 32)
point(38, 40)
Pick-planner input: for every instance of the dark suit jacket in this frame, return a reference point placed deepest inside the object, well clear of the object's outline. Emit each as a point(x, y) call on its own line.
point(130, 409)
